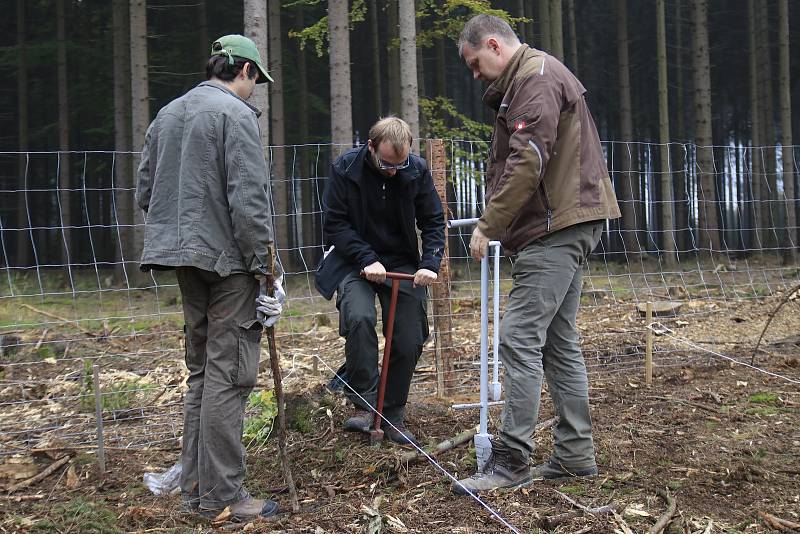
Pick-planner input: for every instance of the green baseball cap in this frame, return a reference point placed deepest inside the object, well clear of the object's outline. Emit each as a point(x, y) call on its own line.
point(243, 47)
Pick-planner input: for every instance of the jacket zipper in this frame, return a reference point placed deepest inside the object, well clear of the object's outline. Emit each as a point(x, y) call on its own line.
point(546, 204)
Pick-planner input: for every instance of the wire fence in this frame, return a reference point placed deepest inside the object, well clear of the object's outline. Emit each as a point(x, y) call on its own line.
point(71, 295)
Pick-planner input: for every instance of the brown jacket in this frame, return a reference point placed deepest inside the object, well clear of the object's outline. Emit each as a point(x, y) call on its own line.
point(546, 168)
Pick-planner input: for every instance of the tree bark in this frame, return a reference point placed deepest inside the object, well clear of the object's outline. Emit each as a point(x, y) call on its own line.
point(789, 232)
point(23, 235)
point(573, 37)
point(203, 41)
point(140, 118)
point(123, 188)
point(341, 95)
point(769, 186)
point(375, 52)
point(255, 27)
point(544, 25)
point(393, 55)
point(309, 219)
point(624, 157)
point(556, 30)
point(64, 194)
point(756, 167)
point(667, 221)
point(279, 178)
point(520, 6)
point(409, 91)
point(707, 199)
point(679, 132)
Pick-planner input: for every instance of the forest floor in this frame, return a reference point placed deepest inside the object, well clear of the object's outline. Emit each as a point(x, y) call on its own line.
point(718, 438)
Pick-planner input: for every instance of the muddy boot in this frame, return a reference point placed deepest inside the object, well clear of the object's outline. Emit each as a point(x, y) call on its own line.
point(397, 432)
point(505, 468)
point(361, 421)
point(552, 470)
point(245, 510)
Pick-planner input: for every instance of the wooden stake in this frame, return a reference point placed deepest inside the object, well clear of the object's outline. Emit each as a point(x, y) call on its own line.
point(648, 356)
point(98, 413)
point(443, 334)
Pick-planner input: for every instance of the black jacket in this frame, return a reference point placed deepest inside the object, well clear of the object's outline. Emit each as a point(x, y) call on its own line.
point(344, 219)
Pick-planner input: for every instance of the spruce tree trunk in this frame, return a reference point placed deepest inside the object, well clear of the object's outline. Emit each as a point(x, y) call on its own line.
point(667, 221)
point(573, 37)
point(756, 163)
point(767, 151)
point(23, 235)
point(789, 233)
point(520, 12)
point(409, 91)
point(374, 36)
point(124, 203)
point(64, 186)
point(140, 119)
point(708, 225)
point(624, 154)
point(309, 204)
point(556, 30)
point(440, 72)
point(679, 166)
point(341, 96)
point(279, 178)
point(393, 56)
point(544, 26)
point(203, 40)
point(256, 28)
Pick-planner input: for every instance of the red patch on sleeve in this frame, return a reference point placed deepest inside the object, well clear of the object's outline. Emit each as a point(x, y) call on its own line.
point(519, 124)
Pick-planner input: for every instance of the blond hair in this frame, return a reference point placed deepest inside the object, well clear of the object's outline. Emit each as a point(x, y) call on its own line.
point(393, 130)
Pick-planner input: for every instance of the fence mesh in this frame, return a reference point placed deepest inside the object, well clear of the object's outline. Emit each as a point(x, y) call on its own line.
point(71, 295)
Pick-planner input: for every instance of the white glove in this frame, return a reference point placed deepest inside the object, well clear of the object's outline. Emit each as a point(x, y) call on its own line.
point(271, 308)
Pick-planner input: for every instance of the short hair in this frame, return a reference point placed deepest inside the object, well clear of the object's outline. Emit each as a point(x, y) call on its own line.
point(394, 130)
point(219, 66)
point(480, 26)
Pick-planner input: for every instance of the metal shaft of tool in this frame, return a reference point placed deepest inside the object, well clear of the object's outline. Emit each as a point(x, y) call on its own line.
point(387, 350)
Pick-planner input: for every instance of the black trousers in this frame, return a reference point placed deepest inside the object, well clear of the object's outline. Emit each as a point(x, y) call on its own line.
point(357, 322)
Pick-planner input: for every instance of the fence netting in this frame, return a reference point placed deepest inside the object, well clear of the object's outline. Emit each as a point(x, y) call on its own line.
point(708, 236)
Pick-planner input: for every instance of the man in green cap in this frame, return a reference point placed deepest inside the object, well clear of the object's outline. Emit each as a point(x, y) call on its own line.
point(203, 184)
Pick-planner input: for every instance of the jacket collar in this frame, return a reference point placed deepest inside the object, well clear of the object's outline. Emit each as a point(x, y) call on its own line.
point(356, 168)
point(495, 92)
point(215, 85)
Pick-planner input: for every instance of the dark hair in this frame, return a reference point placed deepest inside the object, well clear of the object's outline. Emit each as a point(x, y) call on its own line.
point(480, 26)
point(218, 67)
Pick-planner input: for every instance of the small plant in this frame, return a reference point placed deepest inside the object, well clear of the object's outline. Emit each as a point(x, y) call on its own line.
point(764, 398)
point(258, 428)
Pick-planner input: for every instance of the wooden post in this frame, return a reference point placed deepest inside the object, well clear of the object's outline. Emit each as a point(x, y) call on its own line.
point(445, 380)
point(648, 355)
point(98, 412)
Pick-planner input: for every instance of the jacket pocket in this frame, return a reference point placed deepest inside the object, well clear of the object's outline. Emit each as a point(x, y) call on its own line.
point(245, 373)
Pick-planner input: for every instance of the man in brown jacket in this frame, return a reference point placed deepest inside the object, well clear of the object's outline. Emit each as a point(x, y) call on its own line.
point(548, 195)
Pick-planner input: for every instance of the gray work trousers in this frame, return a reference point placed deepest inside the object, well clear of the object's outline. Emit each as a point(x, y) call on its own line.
point(538, 336)
point(357, 321)
point(222, 352)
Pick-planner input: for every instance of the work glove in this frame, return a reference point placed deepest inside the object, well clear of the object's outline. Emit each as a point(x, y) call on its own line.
point(270, 308)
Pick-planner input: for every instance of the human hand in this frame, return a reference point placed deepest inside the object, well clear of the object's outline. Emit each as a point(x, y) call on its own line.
point(424, 277)
point(478, 244)
point(271, 307)
point(375, 272)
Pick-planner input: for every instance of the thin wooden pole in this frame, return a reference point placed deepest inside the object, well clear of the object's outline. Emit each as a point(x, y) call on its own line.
point(98, 413)
point(445, 380)
point(648, 356)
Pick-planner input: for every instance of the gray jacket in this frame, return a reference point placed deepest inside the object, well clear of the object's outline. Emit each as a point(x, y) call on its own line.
point(203, 184)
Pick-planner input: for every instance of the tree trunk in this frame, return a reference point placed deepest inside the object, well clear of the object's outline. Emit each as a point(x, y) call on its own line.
point(393, 55)
point(767, 152)
point(140, 118)
point(23, 235)
point(679, 166)
point(544, 25)
point(64, 194)
point(667, 221)
point(440, 72)
point(530, 13)
point(706, 202)
point(624, 157)
point(789, 232)
point(556, 30)
point(281, 182)
point(756, 168)
point(307, 190)
point(255, 27)
point(341, 96)
point(408, 70)
point(573, 37)
point(375, 52)
point(203, 41)
point(521, 25)
point(123, 188)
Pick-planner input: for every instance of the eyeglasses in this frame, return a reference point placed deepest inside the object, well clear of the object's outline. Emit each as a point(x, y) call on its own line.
point(392, 167)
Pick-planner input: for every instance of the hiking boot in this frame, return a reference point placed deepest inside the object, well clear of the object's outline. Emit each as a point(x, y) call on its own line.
point(505, 468)
point(399, 433)
point(361, 421)
point(245, 510)
point(550, 470)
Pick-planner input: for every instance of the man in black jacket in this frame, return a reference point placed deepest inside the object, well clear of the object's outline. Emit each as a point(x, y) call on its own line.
point(377, 197)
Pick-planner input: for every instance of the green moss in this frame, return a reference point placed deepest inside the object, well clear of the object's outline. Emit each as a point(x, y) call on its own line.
point(764, 398)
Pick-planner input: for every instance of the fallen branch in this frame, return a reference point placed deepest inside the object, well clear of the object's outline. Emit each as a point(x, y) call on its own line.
point(602, 510)
point(61, 319)
point(779, 524)
point(20, 498)
point(622, 524)
point(786, 297)
point(41, 476)
point(666, 517)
